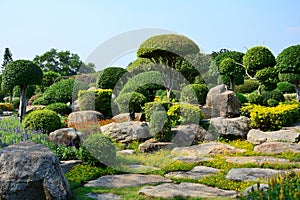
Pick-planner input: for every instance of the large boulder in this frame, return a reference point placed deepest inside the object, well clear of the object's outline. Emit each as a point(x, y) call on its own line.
point(152, 145)
point(251, 174)
point(66, 136)
point(256, 136)
point(187, 135)
point(80, 117)
point(28, 171)
point(127, 132)
point(277, 147)
point(124, 117)
point(230, 127)
point(221, 102)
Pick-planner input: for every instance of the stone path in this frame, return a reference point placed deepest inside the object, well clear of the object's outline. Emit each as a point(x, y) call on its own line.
point(196, 173)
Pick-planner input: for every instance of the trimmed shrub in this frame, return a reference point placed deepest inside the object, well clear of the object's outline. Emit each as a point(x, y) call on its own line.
point(160, 126)
point(40, 101)
point(151, 107)
point(44, 120)
point(248, 86)
point(60, 108)
point(274, 94)
point(255, 98)
point(98, 149)
point(99, 100)
point(109, 77)
point(194, 93)
point(6, 107)
point(285, 87)
point(132, 100)
point(242, 98)
point(48, 79)
point(183, 113)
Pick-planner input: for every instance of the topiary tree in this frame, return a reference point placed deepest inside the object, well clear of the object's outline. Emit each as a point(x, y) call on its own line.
point(22, 73)
point(109, 77)
point(132, 102)
point(288, 65)
point(268, 78)
point(229, 68)
point(169, 51)
point(256, 59)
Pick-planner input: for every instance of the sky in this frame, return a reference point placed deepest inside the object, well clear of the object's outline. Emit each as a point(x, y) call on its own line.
point(112, 30)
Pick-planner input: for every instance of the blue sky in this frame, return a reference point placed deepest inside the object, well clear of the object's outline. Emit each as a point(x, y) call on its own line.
point(33, 27)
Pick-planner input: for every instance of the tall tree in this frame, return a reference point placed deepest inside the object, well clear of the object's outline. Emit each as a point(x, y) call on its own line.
point(169, 51)
point(21, 73)
point(63, 62)
point(288, 65)
point(7, 58)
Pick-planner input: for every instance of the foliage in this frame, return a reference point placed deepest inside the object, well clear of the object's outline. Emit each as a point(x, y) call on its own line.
point(63, 62)
point(16, 102)
point(183, 113)
point(48, 79)
point(7, 58)
point(151, 107)
point(110, 76)
point(285, 87)
point(87, 68)
point(248, 86)
point(140, 65)
point(160, 126)
point(40, 101)
point(98, 149)
point(6, 107)
point(45, 120)
point(129, 102)
point(267, 77)
point(29, 93)
point(99, 99)
point(242, 98)
point(60, 108)
point(274, 95)
point(65, 153)
point(194, 93)
point(234, 55)
point(64, 91)
point(280, 187)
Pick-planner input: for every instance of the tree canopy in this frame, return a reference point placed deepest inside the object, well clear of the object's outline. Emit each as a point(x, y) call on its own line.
point(7, 57)
point(109, 77)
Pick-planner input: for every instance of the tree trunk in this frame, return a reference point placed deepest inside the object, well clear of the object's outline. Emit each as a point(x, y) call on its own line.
point(297, 91)
point(23, 102)
point(231, 83)
point(259, 90)
point(169, 93)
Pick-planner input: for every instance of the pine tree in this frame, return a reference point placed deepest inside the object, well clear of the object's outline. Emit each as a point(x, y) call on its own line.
point(7, 58)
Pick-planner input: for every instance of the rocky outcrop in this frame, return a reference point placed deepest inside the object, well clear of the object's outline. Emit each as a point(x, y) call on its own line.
point(152, 145)
point(251, 174)
point(185, 190)
point(124, 117)
point(66, 136)
point(28, 171)
point(205, 149)
point(257, 136)
point(127, 132)
point(80, 117)
point(277, 147)
point(221, 102)
point(229, 127)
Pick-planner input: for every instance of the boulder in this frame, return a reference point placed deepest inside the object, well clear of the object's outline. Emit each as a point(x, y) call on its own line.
point(261, 187)
point(127, 132)
point(196, 173)
point(257, 136)
point(277, 147)
point(187, 135)
point(124, 117)
point(206, 149)
point(185, 190)
point(66, 136)
point(221, 102)
point(152, 145)
point(229, 127)
point(255, 159)
point(28, 171)
point(67, 165)
point(251, 174)
point(88, 116)
point(75, 106)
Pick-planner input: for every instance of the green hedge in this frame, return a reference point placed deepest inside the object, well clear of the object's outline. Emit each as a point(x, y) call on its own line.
point(59, 108)
point(99, 99)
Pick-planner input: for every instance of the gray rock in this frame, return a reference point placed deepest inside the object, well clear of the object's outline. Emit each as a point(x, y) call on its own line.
point(187, 135)
point(126, 180)
point(103, 196)
point(66, 165)
point(191, 159)
point(257, 137)
point(80, 117)
point(262, 187)
point(127, 132)
point(28, 171)
point(126, 152)
point(66, 136)
point(152, 145)
point(221, 102)
point(255, 159)
point(75, 106)
point(170, 190)
point(230, 127)
point(277, 147)
point(196, 173)
point(124, 117)
point(205, 149)
point(251, 174)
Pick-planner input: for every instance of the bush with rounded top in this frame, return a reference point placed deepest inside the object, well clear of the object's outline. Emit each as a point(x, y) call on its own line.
point(248, 86)
point(110, 76)
point(45, 120)
point(59, 108)
point(130, 100)
point(151, 107)
point(194, 93)
point(274, 94)
point(286, 87)
point(40, 100)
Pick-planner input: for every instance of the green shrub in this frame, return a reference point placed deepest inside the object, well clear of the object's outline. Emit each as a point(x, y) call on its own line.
point(16, 102)
point(255, 98)
point(110, 76)
point(272, 102)
point(45, 120)
point(286, 87)
point(274, 94)
point(160, 126)
point(194, 93)
point(99, 99)
point(130, 100)
point(98, 149)
point(183, 113)
point(162, 94)
point(40, 101)
point(48, 79)
point(6, 107)
point(242, 98)
point(248, 86)
point(152, 107)
point(60, 108)
point(64, 91)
